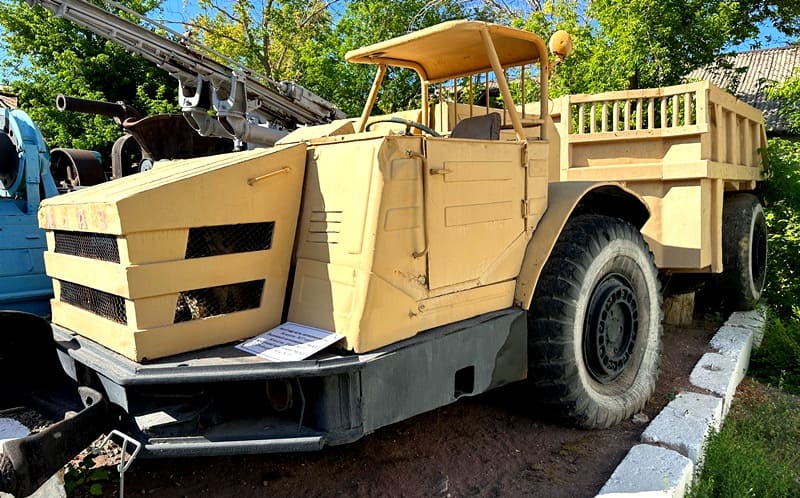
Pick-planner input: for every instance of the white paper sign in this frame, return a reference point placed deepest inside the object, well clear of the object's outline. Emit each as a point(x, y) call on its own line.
point(289, 342)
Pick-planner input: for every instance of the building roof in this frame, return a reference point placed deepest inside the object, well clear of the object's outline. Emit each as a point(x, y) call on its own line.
point(749, 74)
point(8, 100)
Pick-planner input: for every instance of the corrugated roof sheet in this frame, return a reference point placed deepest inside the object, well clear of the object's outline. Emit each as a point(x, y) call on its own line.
point(9, 101)
point(748, 74)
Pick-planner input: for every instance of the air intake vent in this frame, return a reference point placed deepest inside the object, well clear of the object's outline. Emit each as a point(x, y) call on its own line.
point(98, 302)
point(212, 301)
point(229, 239)
point(87, 245)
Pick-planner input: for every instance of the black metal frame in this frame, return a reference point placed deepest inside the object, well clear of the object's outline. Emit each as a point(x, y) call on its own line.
point(222, 401)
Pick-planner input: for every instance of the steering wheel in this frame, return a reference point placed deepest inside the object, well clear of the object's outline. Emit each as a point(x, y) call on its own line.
point(409, 124)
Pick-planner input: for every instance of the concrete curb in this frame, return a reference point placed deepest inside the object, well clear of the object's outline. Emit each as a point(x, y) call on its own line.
point(674, 442)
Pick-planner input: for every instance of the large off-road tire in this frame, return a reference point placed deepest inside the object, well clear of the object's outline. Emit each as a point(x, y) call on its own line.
point(744, 251)
point(595, 323)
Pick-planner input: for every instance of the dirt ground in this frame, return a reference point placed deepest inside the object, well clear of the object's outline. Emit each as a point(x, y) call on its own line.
point(495, 444)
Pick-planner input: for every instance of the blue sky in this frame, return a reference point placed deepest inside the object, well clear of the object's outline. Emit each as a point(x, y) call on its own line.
point(769, 37)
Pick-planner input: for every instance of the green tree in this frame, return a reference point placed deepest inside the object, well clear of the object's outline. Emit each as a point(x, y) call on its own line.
point(47, 56)
point(788, 93)
point(364, 22)
point(267, 36)
point(782, 205)
point(628, 44)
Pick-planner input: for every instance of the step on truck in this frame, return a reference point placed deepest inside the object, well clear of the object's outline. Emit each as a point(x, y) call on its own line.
point(488, 236)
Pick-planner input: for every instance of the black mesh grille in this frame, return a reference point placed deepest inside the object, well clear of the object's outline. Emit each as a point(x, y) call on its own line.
point(88, 245)
point(229, 239)
point(203, 303)
point(98, 302)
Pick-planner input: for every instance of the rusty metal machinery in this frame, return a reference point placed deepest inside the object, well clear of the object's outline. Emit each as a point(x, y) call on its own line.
point(73, 168)
point(147, 138)
point(218, 99)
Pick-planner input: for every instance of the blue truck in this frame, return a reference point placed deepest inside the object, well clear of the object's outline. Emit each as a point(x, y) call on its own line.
point(25, 180)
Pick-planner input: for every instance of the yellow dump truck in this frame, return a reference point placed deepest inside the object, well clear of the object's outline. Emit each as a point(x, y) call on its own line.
point(490, 235)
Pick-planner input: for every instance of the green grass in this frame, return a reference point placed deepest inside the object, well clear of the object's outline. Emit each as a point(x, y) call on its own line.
point(757, 452)
point(777, 361)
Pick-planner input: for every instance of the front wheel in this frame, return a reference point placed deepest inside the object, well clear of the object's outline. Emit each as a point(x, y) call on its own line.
point(595, 323)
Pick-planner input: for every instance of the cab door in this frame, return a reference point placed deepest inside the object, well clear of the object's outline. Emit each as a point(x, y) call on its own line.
point(473, 210)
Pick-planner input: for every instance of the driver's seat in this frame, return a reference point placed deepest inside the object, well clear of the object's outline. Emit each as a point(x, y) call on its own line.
point(485, 127)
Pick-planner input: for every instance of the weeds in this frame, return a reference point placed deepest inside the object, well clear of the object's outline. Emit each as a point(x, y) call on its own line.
point(777, 361)
point(82, 478)
point(755, 453)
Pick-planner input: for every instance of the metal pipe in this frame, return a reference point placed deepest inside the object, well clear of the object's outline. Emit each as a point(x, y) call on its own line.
point(114, 109)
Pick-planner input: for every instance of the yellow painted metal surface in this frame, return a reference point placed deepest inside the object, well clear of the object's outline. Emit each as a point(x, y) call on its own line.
point(159, 299)
point(430, 51)
point(473, 208)
point(563, 197)
point(679, 147)
point(398, 231)
point(399, 234)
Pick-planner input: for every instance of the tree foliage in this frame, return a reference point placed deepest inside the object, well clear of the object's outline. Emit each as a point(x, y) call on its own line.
point(47, 56)
point(364, 22)
point(788, 92)
point(628, 44)
point(782, 205)
point(266, 36)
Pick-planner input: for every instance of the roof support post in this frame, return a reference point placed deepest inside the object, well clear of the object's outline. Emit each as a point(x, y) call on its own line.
point(373, 96)
point(502, 83)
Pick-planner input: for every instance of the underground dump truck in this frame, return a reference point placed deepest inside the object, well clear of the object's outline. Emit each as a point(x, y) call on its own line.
point(456, 247)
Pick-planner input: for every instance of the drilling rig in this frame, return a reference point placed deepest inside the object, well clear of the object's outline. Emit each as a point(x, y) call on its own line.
point(218, 99)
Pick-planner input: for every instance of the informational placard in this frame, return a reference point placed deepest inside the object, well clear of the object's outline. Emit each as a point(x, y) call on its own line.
point(289, 342)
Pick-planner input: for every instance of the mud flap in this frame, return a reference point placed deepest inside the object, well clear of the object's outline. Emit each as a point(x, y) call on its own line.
point(32, 377)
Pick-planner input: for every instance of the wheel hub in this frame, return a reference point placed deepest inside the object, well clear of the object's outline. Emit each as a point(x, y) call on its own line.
point(610, 328)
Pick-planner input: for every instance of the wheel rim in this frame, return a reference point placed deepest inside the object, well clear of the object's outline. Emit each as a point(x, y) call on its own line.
point(610, 328)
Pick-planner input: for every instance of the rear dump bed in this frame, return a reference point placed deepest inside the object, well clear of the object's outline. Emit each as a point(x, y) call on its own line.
point(681, 147)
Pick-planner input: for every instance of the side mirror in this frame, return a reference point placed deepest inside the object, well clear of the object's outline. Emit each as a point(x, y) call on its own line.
point(560, 45)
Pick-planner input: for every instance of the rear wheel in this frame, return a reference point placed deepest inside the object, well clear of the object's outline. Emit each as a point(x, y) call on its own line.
point(595, 323)
point(744, 250)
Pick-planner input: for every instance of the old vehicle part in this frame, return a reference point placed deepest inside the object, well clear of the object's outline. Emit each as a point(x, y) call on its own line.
point(159, 137)
point(9, 160)
point(24, 180)
point(744, 248)
point(241, 100)
point(595, 323)
point(169, 136)
point(81, 413)
point(76, 168)
point(214, 402)
point(120, 111)
point(125, 461)
point(408, 124)
point(126, 156)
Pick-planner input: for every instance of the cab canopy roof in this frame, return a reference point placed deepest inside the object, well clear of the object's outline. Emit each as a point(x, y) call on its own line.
point(454, 48)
